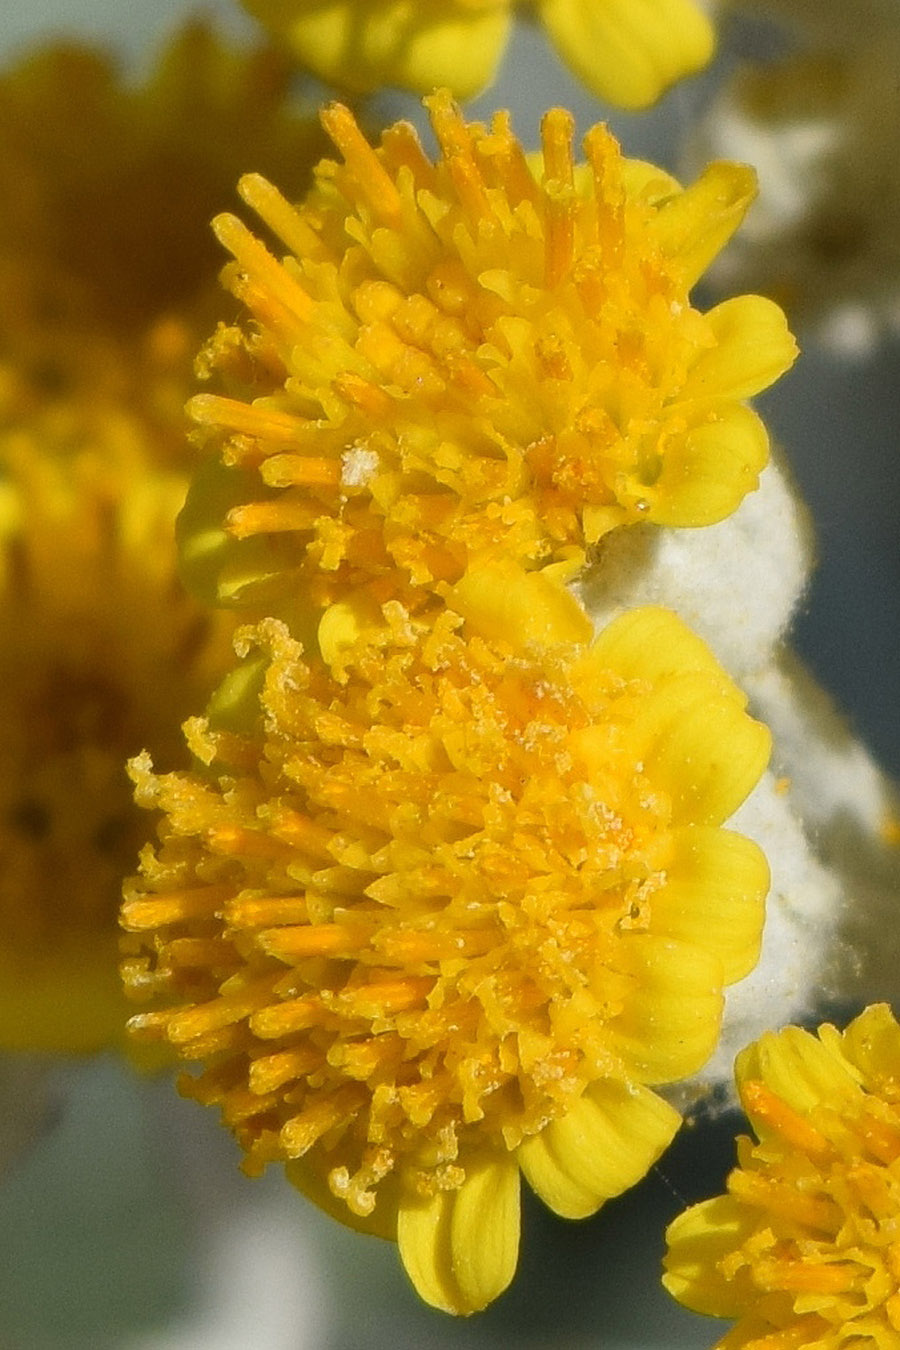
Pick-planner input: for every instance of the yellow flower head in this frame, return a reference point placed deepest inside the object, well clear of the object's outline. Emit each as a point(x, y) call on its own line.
point(627, 51)
point(461, 360)
point(100, 652)
point(443, 909)
point(803, 1248)
point(106, 271)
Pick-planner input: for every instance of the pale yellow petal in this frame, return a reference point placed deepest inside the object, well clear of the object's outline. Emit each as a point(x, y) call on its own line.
point(460, 1247)
point(707, 473)
point(697, 1240)
point(607, 1142)
point(366, 44)
point(754, 346)
point(696, 224)
point(713, 896)
point(521, 608)
point(670, 1023)
point(629, 51)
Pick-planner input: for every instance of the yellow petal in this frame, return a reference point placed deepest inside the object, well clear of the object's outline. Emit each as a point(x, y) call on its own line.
point(518, 607)
point(698, 745)
point(696, 224)
point(708, 473)
point(697, 1240)
point(607, 1142)
point(629, 51)
point(650, 643)
point(714, 895)
point(872, 1044)
point(753, 347)
point(369, 43)
point(670, 1023)
point(460, 1247)
point(797, 1069)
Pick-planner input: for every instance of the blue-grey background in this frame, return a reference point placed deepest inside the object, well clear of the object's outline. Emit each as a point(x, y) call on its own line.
point(127, 1226)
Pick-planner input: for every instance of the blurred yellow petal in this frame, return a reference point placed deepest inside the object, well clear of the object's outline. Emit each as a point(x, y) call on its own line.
point(364, 45)
point(460, 1247)
point(606, 1143)
point(629, 51)
point(714, 895)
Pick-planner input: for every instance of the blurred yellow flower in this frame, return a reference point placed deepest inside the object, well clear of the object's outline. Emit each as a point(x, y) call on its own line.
point(107, 281)
point(627, 51)
point(803, 1248)
point(448, 907)
point(462, 360)
point(100, 653)
point(107, 272)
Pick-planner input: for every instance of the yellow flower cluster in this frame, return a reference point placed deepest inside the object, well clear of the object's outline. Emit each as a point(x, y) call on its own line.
point(470, 359)
point(803, 1248)
point(627, 51)
point(458, 899)
point(446, 892)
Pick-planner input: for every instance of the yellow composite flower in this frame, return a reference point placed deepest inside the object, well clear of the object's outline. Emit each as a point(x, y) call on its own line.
point(107, 273)
point(100, 653)
point(802, 1251)
point(462, 360)
point(627, 51)
point(448, 907)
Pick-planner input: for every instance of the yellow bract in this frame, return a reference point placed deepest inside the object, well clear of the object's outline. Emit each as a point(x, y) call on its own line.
point(449, 905)
point(463, 361)
point(627, 51)
point(803, 1248)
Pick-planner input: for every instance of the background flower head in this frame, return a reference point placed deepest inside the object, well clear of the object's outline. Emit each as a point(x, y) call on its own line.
point(106, 267)
point(802, 1248)
point(100, 652)
point(446, 907)
point(462, 359)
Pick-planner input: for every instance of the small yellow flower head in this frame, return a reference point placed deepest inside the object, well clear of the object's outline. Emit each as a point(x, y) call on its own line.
point(462, 359)
point(100, 653)
point(803, 1248)
point(107, 274)
point(444, 909)
point(627, 51)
